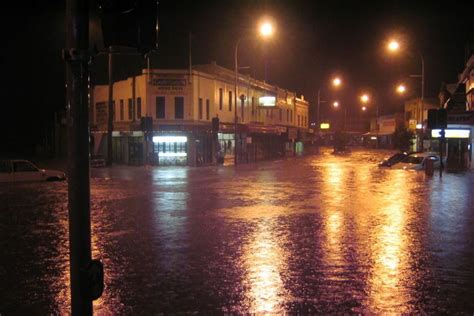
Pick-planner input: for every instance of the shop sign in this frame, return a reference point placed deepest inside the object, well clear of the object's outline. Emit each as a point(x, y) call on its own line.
point(451, 133)
point(169, 85)
point(267, 101)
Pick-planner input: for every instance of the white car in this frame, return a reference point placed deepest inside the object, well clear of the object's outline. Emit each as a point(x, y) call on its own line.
point(417, 161)
point(12, 170)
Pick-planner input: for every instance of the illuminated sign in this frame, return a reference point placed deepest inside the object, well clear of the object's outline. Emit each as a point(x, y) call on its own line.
point(419, 126)
point(267, 100)
point(324, 126)
point(451, 133)
point(170, 139)
point(373, 137)
point(171, 154)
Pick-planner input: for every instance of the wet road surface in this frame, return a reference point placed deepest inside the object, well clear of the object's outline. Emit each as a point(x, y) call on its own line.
point(317, 234)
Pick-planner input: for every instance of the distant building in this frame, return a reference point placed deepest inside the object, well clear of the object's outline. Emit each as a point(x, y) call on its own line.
point(467, 79)
point(382, 130)
point(271, 121)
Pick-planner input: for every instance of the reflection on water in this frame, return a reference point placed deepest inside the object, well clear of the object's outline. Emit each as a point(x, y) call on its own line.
point(264, 259)
point(388, 249)
point(315, 235)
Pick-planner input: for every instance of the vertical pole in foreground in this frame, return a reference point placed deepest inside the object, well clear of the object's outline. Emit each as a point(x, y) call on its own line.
point(236, 74)
point(76, 57)
point(110, 106)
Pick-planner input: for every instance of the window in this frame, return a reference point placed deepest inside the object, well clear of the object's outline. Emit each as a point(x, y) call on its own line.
point(179, 107)
point(130, 110)
point(121, 110)
point(208, 114)
point(298, 120)
point(200, 108)
point(160, 107)
point(113, 111)
point(230, 101)
point(139, 108)
point(287, 115)
point(253, 106)
point(281, 115)
point(24, 166)
point(242, 109)
point(5, 166)
point(221, 98)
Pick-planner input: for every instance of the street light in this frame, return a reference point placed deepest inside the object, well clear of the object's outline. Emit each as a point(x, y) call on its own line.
point(401, 88)
point(265, 30)
point(336, 82)
point(364, 108)
point(335, 104)
point(393, 46)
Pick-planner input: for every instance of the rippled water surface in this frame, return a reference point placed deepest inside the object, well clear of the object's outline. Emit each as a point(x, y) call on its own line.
point(325, 233)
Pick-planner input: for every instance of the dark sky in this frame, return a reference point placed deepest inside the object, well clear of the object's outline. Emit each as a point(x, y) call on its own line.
point(313, 40)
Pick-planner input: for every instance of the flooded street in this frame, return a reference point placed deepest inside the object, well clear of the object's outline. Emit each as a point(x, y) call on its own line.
point(316, 234)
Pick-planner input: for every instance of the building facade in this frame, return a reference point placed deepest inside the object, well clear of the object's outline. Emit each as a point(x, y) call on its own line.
point(266, 122)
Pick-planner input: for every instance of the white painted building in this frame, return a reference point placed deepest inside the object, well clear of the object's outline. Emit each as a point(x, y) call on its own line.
point(184, 104)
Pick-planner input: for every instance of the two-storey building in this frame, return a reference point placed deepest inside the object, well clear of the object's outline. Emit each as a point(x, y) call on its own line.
point(266, 122)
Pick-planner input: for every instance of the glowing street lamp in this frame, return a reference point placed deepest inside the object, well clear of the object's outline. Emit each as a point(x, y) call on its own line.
point(393, 45)
point(401, 89)
point(365, 98)
point(335, 104)
point(265, 30)
point(336, 82)
point(364, 108)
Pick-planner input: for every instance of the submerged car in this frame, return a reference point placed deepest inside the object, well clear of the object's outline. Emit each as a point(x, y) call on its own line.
point(12, 170)
point(417, 161)
point(393, 159)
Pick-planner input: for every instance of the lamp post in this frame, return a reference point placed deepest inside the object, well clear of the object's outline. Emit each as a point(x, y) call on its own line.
point(336, 82)
point(394, 46)
point(265, 30)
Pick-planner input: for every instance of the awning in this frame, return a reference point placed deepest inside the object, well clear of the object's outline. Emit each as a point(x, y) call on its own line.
point(377, 134)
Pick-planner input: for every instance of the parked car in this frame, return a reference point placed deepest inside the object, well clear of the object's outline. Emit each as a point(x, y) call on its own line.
point(417, 161)
point(12, 170)
point(396, 158)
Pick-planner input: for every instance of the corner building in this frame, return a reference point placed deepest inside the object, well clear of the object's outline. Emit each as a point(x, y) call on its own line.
point(271, 122)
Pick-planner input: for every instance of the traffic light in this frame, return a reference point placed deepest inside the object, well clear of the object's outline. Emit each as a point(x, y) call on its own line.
point(442, 118)
point(437, 119)
point(432, 118)
point(130, 23)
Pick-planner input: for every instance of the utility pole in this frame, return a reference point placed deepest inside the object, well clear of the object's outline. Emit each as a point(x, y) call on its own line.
point(110, 116)
point(76, 57)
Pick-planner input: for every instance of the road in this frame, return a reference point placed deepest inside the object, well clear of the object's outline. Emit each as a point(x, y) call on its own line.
point(316, 234)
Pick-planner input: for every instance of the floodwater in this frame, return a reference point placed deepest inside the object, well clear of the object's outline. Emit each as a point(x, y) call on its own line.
point(316, 234)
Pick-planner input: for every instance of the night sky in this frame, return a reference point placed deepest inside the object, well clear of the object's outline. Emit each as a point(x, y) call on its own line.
point(313, 41)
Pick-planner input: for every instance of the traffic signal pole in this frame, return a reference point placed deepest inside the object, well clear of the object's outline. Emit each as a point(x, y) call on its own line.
point(77, 71)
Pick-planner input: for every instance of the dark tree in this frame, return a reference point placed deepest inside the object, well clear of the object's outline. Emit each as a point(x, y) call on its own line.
point(403, 138)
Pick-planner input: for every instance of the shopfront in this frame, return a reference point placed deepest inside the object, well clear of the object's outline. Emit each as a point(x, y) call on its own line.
point(458, 147)
point(170, 150)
